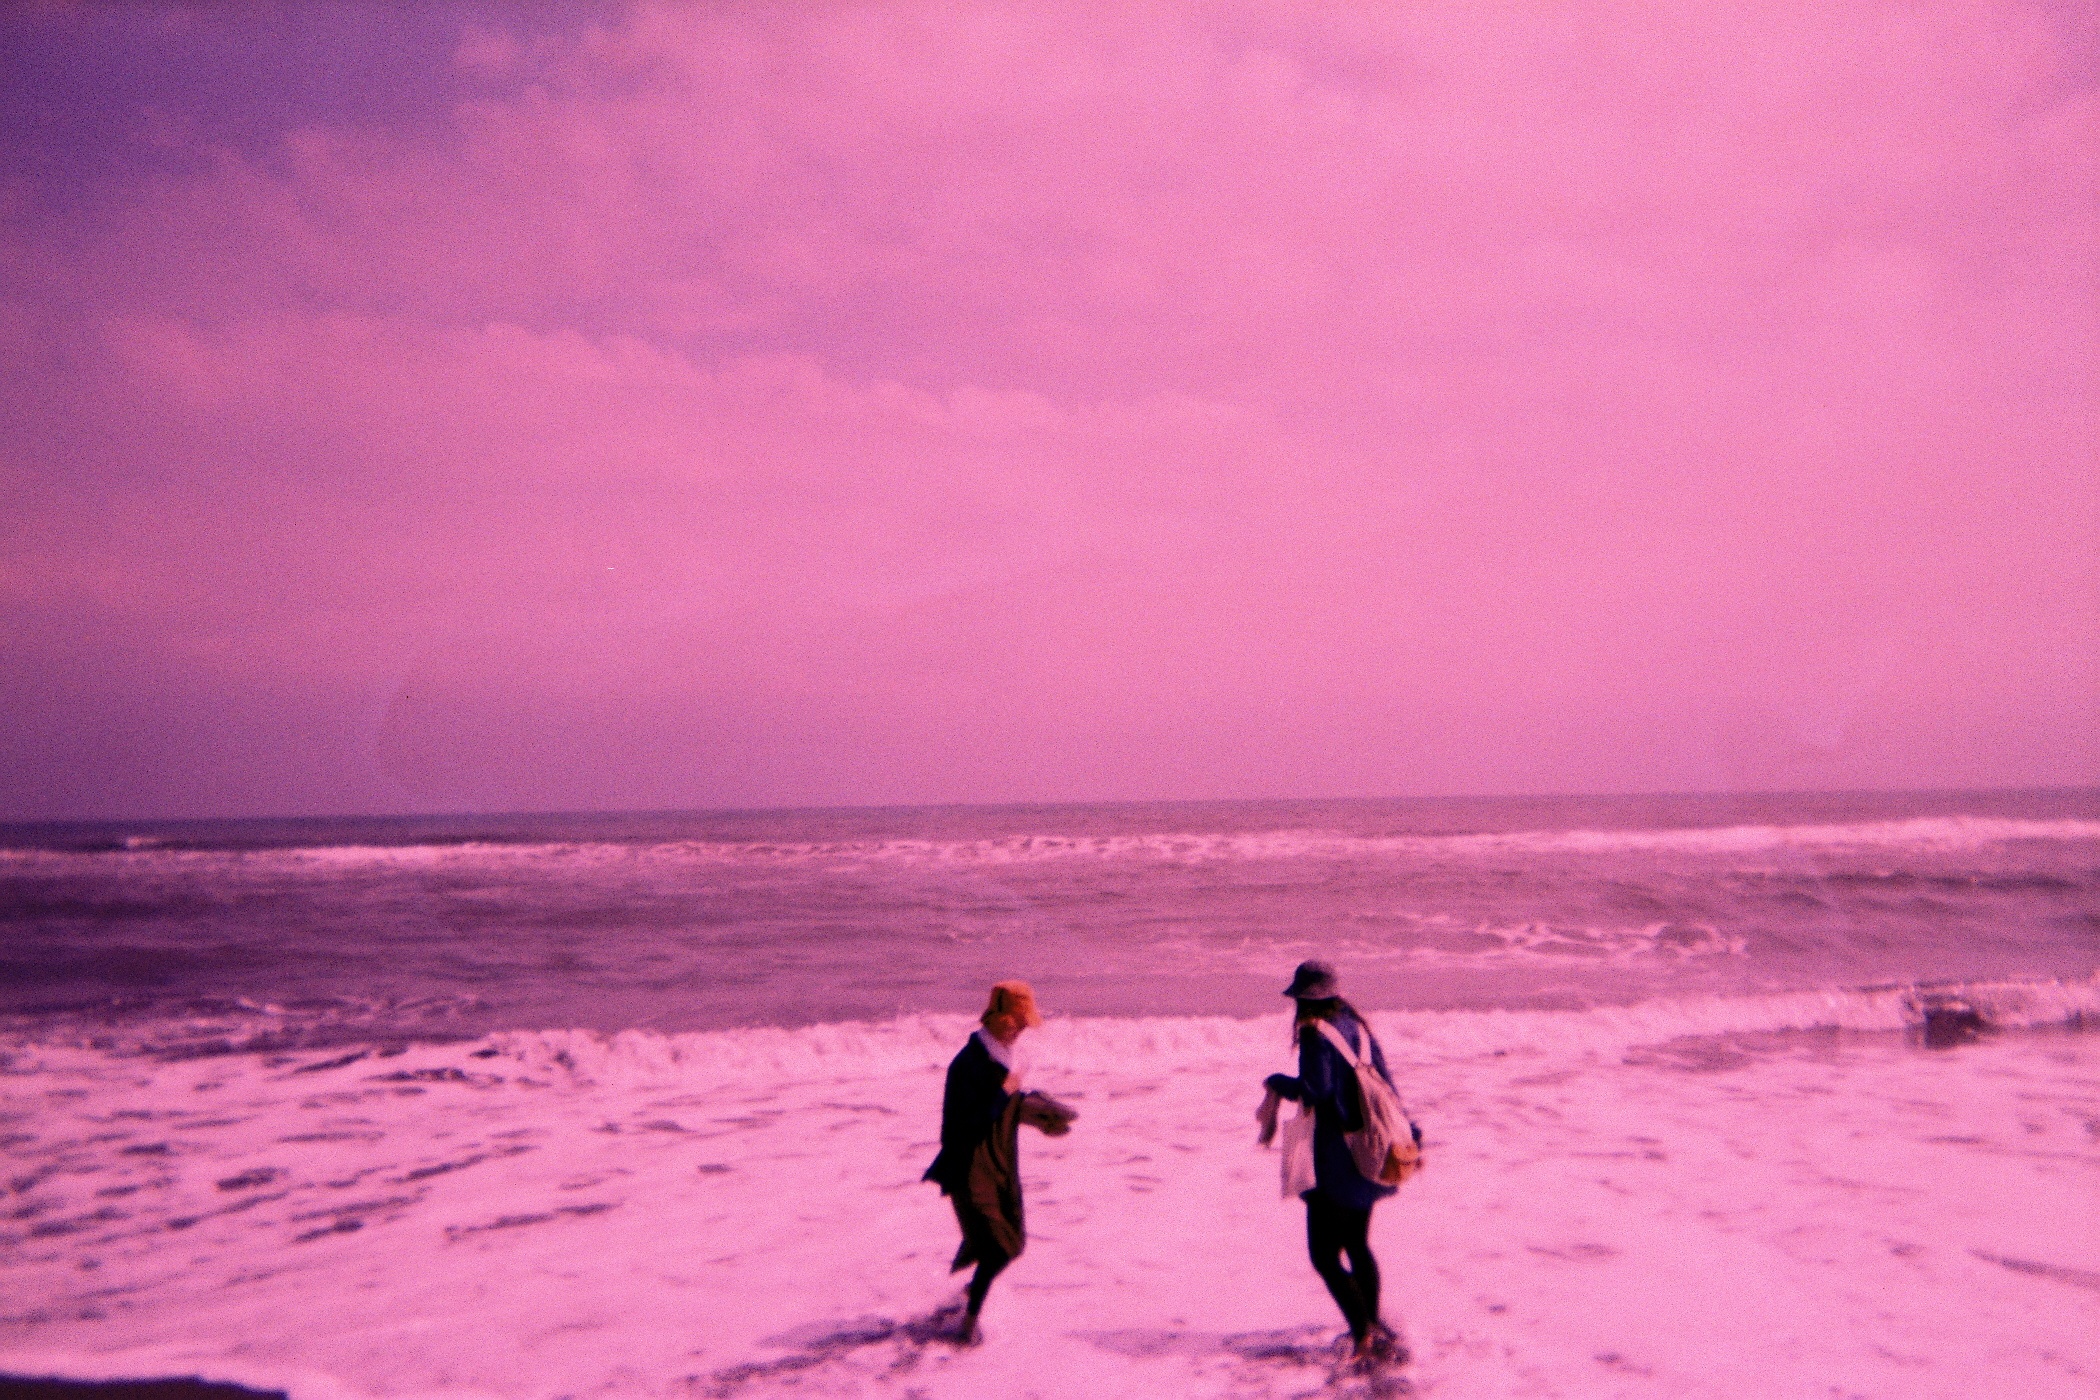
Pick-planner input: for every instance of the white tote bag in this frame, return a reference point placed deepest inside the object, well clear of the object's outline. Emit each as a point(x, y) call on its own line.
point(1296, 1142)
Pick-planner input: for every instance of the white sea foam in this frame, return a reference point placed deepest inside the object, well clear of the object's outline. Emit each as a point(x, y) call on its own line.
point(1097, 1044)
point(1440, 941)
point(1092, 1045)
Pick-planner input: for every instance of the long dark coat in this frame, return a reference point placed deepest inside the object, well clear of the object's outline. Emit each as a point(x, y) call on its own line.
point(971, 1103)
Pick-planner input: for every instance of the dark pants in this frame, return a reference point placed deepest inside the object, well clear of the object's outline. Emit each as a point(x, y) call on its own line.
point(1331, 1231)
point(980, 1245)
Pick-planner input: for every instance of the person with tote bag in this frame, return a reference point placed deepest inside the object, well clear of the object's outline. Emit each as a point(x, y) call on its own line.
point(1333, 1042)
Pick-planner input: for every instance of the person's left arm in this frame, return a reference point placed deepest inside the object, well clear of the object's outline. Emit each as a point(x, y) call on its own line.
point(975, 1098)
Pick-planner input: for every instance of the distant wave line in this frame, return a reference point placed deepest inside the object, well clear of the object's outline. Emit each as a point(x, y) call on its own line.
point(1948, 833)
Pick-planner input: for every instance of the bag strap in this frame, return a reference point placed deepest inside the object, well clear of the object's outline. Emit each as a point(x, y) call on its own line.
point(1335, 1038)
point(1357, 1062)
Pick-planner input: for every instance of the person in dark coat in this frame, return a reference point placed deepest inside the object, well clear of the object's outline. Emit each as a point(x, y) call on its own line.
point(982, 1078)
point(1338, 1207)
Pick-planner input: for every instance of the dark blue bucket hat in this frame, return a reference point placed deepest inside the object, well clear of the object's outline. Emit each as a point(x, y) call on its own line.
point(1314, 981)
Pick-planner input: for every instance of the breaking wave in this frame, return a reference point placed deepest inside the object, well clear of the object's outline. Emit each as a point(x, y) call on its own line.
point(1101, 1044)
point(771, 1059)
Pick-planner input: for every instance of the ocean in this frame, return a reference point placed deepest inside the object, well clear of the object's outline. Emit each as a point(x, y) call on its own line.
point(207, 936)
point(637, 1103)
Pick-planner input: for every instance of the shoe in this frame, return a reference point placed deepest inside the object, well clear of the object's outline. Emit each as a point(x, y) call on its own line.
point(1386, 1345)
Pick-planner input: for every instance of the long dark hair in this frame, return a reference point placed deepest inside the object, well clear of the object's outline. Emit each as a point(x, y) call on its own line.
point(1320, 1009)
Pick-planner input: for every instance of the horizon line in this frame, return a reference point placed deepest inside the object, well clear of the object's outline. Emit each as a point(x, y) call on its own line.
point(788, 808)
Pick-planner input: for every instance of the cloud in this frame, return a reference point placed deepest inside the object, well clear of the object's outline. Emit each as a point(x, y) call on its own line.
point(878, 403)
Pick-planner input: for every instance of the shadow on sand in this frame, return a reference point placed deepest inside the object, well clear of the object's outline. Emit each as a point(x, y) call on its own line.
point(1299, 1361)
point(1259, 1362)
point(889, 1346)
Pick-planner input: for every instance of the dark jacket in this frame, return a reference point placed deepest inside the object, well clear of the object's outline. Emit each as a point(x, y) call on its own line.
point(971, 1103)
point(1326, 1082)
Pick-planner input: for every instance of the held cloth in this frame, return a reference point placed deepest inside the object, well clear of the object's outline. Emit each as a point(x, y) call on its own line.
point(1299, 1173)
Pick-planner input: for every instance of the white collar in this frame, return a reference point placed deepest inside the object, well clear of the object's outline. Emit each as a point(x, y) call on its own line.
point(1007, 1055)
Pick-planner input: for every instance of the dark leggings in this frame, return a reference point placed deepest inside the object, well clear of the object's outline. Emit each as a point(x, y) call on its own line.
point(1330, 1231)
point(980, 1245)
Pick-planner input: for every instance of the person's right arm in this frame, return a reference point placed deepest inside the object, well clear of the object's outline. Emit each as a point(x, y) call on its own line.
point(1315, 1082)
point(1287, 1087)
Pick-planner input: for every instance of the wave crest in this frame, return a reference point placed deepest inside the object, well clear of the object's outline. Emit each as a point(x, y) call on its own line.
point(1109, 1044)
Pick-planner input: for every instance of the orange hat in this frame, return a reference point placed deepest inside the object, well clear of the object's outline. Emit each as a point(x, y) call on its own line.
point(1013, 999)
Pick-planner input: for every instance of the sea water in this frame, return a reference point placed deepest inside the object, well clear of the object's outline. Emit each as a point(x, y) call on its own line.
point(1718, 1090)
point(160, 935)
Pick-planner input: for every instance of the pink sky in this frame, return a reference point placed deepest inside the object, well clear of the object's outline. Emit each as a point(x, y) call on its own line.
point(760, 405)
